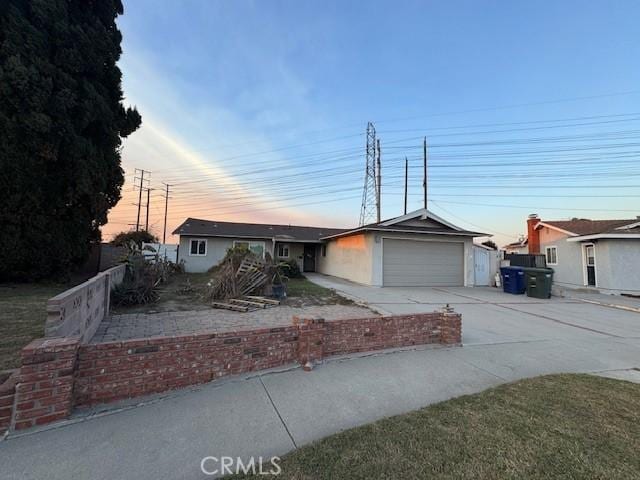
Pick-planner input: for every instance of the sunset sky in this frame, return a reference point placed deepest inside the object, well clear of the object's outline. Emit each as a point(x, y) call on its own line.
point(256, 111)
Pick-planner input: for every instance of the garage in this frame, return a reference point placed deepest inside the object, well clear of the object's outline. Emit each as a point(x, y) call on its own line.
point(414, 263)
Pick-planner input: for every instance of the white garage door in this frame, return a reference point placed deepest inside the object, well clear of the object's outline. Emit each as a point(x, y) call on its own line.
point(410, 263)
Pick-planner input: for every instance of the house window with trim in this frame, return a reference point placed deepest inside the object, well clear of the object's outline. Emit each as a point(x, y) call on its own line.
point(324, 250)
point(198, 247)
point(552, 255)
point(257, 248)
point(283, 250)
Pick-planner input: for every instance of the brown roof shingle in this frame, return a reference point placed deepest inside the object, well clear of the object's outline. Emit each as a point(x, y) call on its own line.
point(211, 228)
point(584, 226)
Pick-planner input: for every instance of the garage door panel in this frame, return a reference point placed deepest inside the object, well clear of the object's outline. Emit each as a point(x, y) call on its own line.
point(420, 263)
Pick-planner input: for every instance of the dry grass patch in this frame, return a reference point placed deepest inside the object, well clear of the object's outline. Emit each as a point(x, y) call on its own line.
point(23, 312)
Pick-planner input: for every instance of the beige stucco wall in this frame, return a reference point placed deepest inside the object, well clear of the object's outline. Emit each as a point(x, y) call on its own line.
point(359, 257)
point(547, 235)
point(216, 249)
point(348, 257)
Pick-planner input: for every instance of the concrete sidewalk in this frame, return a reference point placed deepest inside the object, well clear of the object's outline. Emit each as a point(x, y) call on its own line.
point(271, 413)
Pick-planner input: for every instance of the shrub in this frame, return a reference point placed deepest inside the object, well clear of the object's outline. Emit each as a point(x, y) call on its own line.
point(139, 237)
point(142, 278)
point(291, 269)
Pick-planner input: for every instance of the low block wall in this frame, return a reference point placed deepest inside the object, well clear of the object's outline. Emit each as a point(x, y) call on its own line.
point(60, 373)
point(79, 310)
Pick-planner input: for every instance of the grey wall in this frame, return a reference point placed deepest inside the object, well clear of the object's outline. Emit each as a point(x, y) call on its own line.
point(216, 250)
point(618, 265)
point(569, 270)
point(296, 251)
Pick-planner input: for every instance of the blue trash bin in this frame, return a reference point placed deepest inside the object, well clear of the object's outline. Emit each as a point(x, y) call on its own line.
point(513, 280)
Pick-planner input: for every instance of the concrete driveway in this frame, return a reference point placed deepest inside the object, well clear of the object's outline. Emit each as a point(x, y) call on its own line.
point(491, 316)
point(270, 413)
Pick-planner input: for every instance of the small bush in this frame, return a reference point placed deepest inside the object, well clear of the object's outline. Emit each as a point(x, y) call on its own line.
point(142, 278)
point(291, 269)
point(141, 236)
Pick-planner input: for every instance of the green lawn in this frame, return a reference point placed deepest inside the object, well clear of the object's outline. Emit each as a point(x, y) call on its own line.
point(298, 287)
point(23, 311)
point(302, 291)
point(560, 426)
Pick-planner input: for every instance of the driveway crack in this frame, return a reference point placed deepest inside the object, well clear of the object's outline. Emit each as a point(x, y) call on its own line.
point(295, 445)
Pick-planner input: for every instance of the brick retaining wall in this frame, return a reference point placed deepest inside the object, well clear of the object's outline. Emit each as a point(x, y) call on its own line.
point(118, 370)
point(44, 392)
point(8, 380)
point(60, 373)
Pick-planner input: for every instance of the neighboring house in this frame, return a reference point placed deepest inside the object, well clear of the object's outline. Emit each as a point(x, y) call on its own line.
point(598, 254)
point(417, 249)
point(521, 246)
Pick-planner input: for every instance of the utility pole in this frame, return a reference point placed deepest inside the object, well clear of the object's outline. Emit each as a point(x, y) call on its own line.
point(166, 206)
point(146, 223)
point(369, 192)
point(424, 184)
point(406, 178)
point(378, 182)
point(141, 186)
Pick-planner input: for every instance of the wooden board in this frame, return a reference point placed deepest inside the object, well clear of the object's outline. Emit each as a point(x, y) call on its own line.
point(230, 306)
point(248, 303)
point(268, 301)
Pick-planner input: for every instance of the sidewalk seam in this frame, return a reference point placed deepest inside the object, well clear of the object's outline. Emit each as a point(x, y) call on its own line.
point(295, 445)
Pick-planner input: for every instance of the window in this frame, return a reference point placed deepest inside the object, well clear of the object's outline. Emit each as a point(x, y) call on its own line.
point(198, 247)
point(283, 250)
point(257, 248)
point(590, 255)
point(324, 250)
point(552, 255)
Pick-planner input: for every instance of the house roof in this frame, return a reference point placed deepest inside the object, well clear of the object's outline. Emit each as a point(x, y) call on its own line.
point(195, 227)
point(211, 228)
point(584, 226)
point(520, 243)
point(398, 224)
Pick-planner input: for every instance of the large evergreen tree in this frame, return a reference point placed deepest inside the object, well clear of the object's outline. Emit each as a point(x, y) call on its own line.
point(61, 126)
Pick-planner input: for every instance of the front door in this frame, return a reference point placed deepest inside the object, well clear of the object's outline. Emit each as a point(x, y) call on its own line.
point(590, 262)
point(309, 261)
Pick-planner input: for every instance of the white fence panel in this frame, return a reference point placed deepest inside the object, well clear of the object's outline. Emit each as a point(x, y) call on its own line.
point(162, 250)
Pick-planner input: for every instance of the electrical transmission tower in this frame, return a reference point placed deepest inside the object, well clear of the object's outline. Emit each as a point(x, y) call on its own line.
point(370, 197)
point(141, 182)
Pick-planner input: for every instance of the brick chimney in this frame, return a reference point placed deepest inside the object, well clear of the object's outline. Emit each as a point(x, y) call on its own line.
point(533, 234)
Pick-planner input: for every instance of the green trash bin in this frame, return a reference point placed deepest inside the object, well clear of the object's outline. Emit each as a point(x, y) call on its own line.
point(538, 282)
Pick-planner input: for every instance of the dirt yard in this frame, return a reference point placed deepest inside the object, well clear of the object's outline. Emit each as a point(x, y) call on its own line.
point(181, 310)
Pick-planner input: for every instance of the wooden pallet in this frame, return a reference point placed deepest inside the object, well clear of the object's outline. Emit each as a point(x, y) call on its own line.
point(230, 306)
point(248, 303)
point(268, 301)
